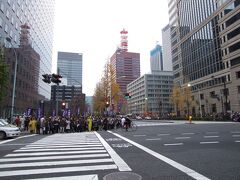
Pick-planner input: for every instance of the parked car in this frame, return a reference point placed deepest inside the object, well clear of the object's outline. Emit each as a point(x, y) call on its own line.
point(138, 117)
point(8, 130)
point(148, 117)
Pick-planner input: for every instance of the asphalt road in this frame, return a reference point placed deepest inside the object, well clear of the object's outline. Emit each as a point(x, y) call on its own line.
point(157, 150)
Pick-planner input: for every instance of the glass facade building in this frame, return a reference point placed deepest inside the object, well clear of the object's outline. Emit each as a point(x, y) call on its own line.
point(70, 67)
point(39, 16)
point(205, 43)
point(156, 59)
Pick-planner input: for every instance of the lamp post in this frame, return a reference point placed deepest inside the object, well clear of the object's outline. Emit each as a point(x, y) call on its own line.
point(15, 77)
point(199, 99)
point(146, 103)
point(188, 85)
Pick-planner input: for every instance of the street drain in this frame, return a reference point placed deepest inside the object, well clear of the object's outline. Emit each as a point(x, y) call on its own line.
point(122, 176)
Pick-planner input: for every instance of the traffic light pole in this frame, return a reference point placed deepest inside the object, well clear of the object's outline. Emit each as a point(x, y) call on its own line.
point(57, 95)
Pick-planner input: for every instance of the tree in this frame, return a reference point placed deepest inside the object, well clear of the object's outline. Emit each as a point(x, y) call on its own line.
point(177, 99)
point(4, 80)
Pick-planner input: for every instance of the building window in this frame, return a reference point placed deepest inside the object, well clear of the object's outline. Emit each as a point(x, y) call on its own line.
point(11, 34)
point(7, 14)
point(2, 7)
point(9, 1)
point(6, 28)
point(238, 74)
point(13, 7)
point(234, 47)
point(201, 96)
point(1, 22)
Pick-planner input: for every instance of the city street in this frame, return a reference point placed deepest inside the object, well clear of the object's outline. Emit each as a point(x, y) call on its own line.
point(157, 150)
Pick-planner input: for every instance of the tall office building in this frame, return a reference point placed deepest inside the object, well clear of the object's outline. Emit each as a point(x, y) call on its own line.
point(205, 52)
point(39, 16)
point(126, 67)
point(33, 21)
point(166, 48)
point(70, 67)
point(156, 59)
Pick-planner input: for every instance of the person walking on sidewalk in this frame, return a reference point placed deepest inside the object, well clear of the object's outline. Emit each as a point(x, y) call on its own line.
point(90, 121)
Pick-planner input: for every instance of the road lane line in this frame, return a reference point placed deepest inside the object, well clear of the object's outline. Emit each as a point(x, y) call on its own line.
point(55, 170)
point(212, 132)
point(154, 139)
point(53, 153)
point(55, 163)
point(182, 137)
point(188, 133)
point(139, 135)
point(211, 136)
point(9, 140)
point(121, 164)
point(163, 134)
point(236, 135)
point(174, 144)
point(85, 177)
point(210, 142)
point(171, 162)
point(63, 144)
point(237, 141)
point(235, 132)
point(59, 149)
point(53, 157)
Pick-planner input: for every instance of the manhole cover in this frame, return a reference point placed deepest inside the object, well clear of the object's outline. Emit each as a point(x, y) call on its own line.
point(122, 176)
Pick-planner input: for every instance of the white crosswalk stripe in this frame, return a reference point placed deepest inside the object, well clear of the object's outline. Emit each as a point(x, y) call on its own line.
point(78, 153)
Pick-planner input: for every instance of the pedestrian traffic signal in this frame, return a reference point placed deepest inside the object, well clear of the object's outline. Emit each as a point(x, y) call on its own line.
point(56, 78)
point(47, 78)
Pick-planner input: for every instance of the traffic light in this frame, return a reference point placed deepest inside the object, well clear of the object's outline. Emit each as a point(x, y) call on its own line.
point(63, 105)
point(127, 96)
point(47, 78)
point(56, 78)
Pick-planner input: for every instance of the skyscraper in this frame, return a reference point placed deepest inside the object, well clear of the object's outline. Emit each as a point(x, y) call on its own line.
point(70, 67)
point(156, 59)
point(39, 16)
point(34, 54)
point(127, 65)
point(205, 52)
point(166, 48)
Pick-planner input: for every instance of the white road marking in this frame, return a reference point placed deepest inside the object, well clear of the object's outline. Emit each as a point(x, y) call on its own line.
point(53, 153)
point(154, 139)
point(56, 170)
point(84, 177)
point(237, 141)
point(53, 157)
point(210, 142)
point(9, 140)
point(174, 144)
point(52, 147)
point(122, 165)
point(188, 133)
point(175, 164)
point(64, 144)
point(212, 132)
point(59, 149)
point(139, 135)
point(182, 137)
point(211, 136)
point(235, 132)
point(163, 134)
point(54, 163)
point(236, 135)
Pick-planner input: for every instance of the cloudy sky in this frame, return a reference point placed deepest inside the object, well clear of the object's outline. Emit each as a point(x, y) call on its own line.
point(92, 27)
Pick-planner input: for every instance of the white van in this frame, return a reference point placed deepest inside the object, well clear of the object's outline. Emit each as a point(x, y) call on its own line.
point(8, 130)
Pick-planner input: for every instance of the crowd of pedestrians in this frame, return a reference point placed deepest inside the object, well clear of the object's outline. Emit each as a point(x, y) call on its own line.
point(52, 125)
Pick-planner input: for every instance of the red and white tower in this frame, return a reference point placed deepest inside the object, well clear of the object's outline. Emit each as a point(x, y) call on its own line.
point(124, 40)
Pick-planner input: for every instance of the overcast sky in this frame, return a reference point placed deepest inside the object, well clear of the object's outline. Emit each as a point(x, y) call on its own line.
point(92, 27)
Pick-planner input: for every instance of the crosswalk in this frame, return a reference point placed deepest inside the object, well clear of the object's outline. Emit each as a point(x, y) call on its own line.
point(58, 155)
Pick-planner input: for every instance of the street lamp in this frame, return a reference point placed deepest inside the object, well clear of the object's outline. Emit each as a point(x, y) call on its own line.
point(15, 77)
point(199, 99)
point(188, 85)
point(146, 104)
